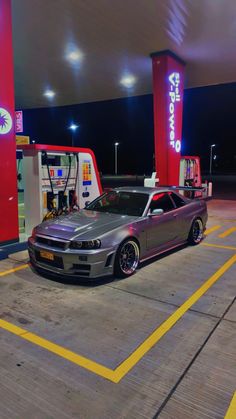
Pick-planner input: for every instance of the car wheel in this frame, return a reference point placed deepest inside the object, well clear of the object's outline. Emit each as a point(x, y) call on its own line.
point(196, 232)
point(127, 258)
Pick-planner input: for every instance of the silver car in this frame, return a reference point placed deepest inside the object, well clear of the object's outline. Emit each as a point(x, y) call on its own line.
point(116, 232)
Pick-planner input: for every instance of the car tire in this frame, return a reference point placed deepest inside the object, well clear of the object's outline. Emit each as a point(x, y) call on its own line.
point(196, 232)
point(127, 258)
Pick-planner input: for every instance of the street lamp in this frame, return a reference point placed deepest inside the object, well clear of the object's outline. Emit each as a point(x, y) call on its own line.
point(116, 149)
point(73, 127)
point(212, 145)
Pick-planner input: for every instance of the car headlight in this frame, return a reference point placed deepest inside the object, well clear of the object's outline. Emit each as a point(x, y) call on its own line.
point(86, 244)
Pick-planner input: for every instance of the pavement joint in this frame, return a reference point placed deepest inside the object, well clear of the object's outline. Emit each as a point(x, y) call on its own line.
point(180, 379)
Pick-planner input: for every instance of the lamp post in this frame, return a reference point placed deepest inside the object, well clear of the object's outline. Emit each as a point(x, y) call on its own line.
point(73, 127)
point(212, 145)
point(116, 152)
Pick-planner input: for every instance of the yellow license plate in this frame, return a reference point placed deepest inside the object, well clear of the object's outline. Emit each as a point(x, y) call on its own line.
point(47, 255)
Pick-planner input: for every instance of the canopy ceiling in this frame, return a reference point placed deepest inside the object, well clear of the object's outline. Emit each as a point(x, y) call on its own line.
point(81, 49)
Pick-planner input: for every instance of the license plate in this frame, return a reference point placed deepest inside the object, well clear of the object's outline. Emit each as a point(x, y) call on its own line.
point(47, 255)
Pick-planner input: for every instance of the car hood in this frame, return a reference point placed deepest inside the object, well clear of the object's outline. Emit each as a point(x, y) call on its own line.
point(84, 225)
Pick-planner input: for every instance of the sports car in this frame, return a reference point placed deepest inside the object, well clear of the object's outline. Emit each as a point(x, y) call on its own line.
point(116, 232)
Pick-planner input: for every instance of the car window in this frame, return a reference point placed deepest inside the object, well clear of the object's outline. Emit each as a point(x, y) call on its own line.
point(179, 202)
point(162, 201)
point(120, 202)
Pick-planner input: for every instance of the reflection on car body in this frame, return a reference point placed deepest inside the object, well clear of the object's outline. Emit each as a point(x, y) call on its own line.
point(116, 231)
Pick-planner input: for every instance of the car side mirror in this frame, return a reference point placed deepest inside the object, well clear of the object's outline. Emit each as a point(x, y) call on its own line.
point(157, 211)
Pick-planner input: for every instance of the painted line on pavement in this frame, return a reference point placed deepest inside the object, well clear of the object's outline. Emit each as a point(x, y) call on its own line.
point(212, 229)
point(227, 232)
point(116, 375)
point(10, 271)
point(231, 412)
point(130, 362)
point(58, 350)
point(219, 246)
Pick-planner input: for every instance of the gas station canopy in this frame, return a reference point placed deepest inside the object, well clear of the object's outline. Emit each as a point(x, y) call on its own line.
point(92, 50)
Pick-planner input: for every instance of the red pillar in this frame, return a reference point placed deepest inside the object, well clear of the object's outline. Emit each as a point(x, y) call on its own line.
point(168, 83)
point(8, 181)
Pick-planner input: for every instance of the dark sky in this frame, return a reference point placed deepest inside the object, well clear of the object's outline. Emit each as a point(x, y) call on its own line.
point(209, 117)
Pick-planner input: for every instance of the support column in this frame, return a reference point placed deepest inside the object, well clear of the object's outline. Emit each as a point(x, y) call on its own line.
point(8, 182)
point(168, 83)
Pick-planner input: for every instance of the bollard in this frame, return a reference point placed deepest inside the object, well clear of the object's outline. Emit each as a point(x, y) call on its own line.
point(210, 189)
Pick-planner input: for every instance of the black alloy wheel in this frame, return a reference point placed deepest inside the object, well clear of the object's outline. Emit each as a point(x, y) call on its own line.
point(196, 232)
point(127, 258)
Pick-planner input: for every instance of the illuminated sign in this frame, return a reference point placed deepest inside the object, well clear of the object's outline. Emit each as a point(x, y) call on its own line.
point(19, 121)
point(87, 173)
point(5, 121)
point(22, 139)
point(174, 98)
point(168, 78)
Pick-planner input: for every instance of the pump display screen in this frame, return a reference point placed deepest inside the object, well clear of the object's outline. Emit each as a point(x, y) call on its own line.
point(87, 173)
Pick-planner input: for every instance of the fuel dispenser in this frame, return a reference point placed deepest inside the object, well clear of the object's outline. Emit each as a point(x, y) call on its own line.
point(190, 171)
point(190, 179)
point(57, 180)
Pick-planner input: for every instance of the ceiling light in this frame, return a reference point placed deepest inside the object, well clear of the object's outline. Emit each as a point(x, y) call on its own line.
point(128, 81)
point(73, 127)
point(49, 94)
point(74, 55)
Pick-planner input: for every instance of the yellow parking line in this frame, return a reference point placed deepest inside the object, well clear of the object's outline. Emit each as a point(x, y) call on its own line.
point(58, 350)
point(129, 363)
point(227, 232)
point(220, 246)
point(10, 271)
point(231, 412)
point(210, 230)
point(119, 372)
point(228, 221)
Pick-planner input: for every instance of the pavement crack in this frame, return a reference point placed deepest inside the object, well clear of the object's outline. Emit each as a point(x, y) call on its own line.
point(164, 302)
point(178, 382)
point(144, 296)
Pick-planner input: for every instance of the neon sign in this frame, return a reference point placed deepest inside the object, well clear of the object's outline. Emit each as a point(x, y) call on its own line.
point(5, 121)
point(174, 98)
point(19, 121)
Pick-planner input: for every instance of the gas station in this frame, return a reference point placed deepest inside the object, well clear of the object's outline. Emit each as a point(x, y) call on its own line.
point(160, 343)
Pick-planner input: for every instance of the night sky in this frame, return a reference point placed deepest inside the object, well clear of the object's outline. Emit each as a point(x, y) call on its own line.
point(209, 117)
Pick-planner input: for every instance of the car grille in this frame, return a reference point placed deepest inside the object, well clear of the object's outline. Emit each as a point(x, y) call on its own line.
point(57, 262)
point(60, 244)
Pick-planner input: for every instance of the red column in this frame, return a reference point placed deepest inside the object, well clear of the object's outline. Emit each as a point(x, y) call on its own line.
point(168, 83)
point(8, 182)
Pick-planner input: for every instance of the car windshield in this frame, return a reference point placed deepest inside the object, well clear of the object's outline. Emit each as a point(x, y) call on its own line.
point(120, 202)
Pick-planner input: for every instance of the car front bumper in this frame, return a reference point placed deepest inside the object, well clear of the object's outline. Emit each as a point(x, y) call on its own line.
point(76, 263)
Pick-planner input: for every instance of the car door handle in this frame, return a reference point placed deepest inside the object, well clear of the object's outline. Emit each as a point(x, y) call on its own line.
point(175, 215)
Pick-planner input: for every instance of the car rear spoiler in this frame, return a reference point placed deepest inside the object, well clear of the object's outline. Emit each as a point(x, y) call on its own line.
point(192, 191)
point(185, 188)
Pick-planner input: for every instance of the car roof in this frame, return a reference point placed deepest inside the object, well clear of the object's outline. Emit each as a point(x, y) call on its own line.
point(143, 189)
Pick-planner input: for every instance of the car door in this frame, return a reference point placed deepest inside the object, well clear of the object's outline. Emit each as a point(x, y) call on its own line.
point(184, 215)
point(162, 230)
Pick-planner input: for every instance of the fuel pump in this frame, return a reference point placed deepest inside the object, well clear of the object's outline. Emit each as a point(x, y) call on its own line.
point(57, 180)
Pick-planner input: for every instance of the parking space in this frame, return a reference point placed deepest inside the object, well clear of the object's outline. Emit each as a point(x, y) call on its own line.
point(161, 343)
